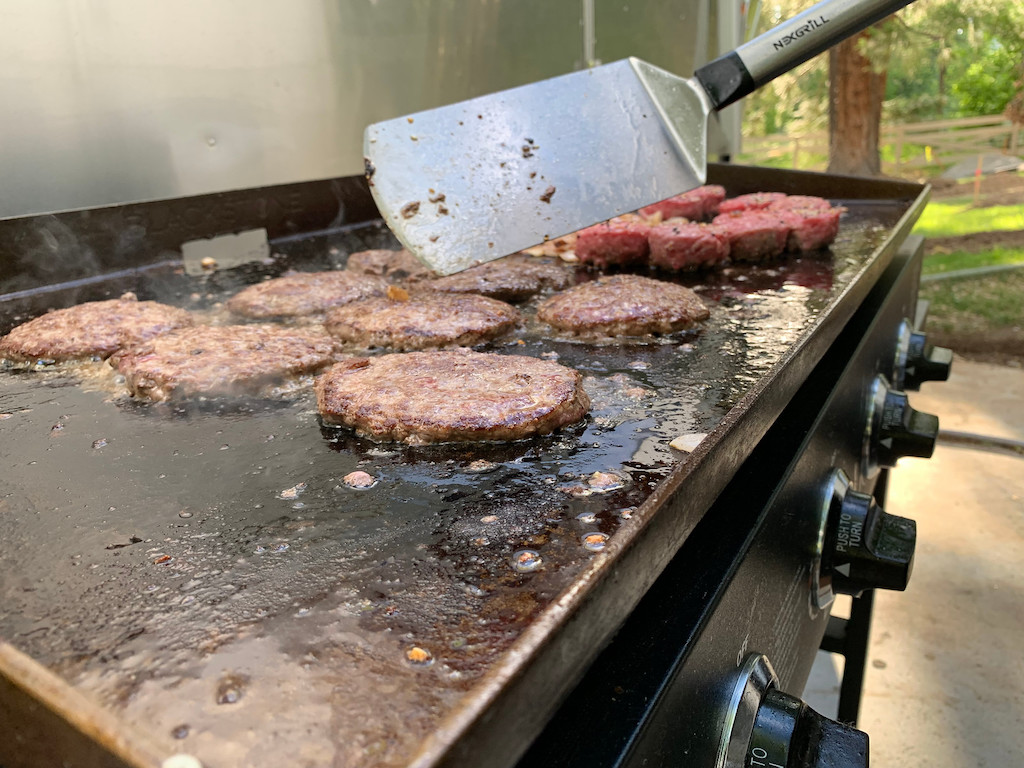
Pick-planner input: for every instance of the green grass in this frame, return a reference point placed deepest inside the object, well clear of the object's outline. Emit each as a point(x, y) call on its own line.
point(808, 161)
point(976, 305)
point(937, 263)
point(956, 217)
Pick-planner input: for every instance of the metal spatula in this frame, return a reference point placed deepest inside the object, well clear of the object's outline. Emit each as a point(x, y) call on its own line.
point(474, 181)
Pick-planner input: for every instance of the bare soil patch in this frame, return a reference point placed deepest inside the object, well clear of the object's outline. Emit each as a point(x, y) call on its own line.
point(997, 189)
point(999, 346)
point(976, 241)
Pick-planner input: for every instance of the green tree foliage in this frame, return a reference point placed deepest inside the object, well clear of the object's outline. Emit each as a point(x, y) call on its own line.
point(944, 58)
point(988, 83)
point(955, 58)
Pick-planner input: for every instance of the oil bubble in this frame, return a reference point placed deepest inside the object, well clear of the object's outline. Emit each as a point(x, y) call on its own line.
point(231, 688)
point(587, 517)
point(359, 480)
point(526, 561)
point(290, 494)
point(180, 731)
point(595, 542)
point(603, 482)
point(185, 514)
point(419, 657)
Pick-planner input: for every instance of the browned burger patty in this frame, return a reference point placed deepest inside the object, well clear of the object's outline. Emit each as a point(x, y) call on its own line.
point(513, 278)
point(451, 395)
point(393, 266)
point(304, 293)
point(423, 320)
point(97, 328)
point(222, 360)
point(623, 305)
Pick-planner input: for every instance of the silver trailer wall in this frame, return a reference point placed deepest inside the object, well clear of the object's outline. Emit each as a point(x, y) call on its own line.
point(113, 101)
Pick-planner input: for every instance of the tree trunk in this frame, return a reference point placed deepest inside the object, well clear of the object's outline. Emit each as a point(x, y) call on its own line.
point(1015, 108)
point(854, 110)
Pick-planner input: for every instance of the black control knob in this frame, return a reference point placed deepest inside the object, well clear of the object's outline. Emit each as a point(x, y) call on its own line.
point(866, 547)
point(925, 362)
point(895, 430)
point(767, 728)
point(789, 733)
point(917, 361)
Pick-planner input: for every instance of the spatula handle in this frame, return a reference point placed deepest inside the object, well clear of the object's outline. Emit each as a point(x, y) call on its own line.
point(737, 74)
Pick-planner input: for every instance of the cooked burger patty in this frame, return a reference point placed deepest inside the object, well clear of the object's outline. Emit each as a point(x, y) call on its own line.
point(423, 320)
point(222, 360)
point(95, 328)
point(304, 293)
point(451, 395)
point(514, 278)
point(393, 266)
point(623, 305)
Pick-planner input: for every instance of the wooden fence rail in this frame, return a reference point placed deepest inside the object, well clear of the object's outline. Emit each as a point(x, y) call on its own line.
point(903, 147)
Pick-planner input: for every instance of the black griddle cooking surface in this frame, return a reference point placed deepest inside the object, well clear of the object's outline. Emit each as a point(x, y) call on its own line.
point(201, 569)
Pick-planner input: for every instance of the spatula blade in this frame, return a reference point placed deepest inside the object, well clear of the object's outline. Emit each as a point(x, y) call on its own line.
point(474, 181)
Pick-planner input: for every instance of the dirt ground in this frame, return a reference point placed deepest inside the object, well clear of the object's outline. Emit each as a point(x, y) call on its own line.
point(1003, 346)
point(996, 189)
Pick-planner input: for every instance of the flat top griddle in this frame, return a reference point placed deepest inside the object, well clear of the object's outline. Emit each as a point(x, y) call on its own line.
point(201, 570)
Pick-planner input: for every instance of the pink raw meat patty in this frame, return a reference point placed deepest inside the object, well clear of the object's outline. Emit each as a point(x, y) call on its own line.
point(752, 202)
point(687, 245)
point(753, 235)
point(623, 240)
point(696, 204)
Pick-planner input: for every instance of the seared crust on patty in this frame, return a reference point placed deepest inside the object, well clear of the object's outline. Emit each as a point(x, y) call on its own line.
point(513, 278)
point(451, 395)
point(393, 266)
point(304, 293)
point(424, 320)
point(222, 360)
point(623, 305)
point(95, 328)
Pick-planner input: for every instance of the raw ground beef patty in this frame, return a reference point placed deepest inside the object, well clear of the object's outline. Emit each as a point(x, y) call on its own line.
point(422, 320)
point(622, 240)
point(754, 201)
point(450, 396)
point(393, 266)
point(694, 205)
point(753, 235)
point(222, 360)
point(687, 245)
point(304, 293)
point(813, 223)
point(97, 328)
point(623, 305)
point(513, 278)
